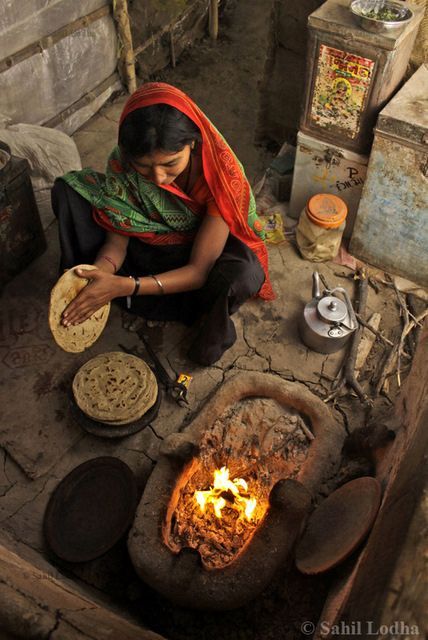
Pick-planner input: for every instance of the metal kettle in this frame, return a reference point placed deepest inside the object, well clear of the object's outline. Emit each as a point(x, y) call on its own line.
point(328, 321)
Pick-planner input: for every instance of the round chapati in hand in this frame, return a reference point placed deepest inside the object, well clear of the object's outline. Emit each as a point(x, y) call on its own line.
point(75, 338)
point(115, 388)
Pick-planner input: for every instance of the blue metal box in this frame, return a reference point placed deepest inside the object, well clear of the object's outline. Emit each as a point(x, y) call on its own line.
point(391, 227)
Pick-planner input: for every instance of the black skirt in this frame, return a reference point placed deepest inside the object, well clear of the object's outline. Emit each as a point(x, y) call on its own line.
point(235, 276)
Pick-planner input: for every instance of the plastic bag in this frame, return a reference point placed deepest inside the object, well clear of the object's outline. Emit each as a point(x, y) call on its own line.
point(50, 154)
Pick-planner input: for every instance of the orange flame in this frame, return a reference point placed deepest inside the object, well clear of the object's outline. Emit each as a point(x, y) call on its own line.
point(223, 485)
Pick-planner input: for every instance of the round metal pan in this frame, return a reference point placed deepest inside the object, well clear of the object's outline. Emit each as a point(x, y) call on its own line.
point(90, 509)
point(338, 525)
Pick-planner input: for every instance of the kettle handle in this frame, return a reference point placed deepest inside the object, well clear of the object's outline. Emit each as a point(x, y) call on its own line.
point(351, 312)
point(316, 289)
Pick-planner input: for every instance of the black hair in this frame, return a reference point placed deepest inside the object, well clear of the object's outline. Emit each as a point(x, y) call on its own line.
point(158, 127)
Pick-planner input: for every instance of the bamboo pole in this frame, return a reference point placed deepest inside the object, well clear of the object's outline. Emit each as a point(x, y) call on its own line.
point(48, 41)
point(165, 29)
point(213, 20)
point(89, 97)
point(126, 53)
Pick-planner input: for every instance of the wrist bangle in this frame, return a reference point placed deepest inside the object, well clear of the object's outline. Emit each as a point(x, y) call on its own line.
point(159, 283)
point(113, 264)
point(137, 285)
point(135, 292)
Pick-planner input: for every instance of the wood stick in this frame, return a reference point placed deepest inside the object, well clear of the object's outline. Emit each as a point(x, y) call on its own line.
point(405, 316)
point(213, 20)
point(350, 363)
point(308, 433)
point(89, 97)
point(348, 371)
point(378, 334)
point(336, 391)
point(388, 367)
point(374, 285)
point(411, 324)
point(165, 29)
point(393, 356)
point(413, 312)
point(127, 58)
point(366, 343)
point(53, 38)
point(417, 321)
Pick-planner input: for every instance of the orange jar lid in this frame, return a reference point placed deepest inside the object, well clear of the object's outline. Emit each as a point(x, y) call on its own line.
point(326, 210)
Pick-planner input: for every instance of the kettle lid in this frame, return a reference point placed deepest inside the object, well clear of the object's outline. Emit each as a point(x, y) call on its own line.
point(332, 309)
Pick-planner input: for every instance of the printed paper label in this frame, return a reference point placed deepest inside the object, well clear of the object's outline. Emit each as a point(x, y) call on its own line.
point(341, 89)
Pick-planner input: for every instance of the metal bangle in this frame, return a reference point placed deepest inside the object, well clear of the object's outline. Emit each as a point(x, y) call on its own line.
point(135, 292)
point(137, 286)
point(158, 282)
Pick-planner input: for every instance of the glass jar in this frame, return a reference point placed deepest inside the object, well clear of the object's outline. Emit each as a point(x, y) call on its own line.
point(320, 228)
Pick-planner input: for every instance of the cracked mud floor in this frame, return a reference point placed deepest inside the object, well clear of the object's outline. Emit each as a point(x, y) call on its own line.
point(41, 443)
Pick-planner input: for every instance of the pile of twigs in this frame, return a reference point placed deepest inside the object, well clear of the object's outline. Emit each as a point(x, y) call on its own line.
point(398, 352)
point(402, 349)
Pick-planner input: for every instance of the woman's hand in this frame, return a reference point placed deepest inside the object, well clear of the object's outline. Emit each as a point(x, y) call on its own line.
point(102, 288)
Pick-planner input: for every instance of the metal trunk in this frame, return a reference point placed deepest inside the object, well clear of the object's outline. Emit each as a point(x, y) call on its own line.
point(391, 228)
point(21, 233)
point(326, 168)
point(351, 74)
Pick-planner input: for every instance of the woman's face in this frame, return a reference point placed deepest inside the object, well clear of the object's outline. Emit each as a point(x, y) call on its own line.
point(162, 167)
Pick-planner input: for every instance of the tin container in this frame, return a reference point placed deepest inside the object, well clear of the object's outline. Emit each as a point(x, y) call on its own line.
point(21, 234)
point(391, 227)
point(351, 74)
point(322, 166)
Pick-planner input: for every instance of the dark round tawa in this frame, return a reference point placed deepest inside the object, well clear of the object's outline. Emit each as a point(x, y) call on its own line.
point(105, 430)
point(90, 509)
point(338, 525)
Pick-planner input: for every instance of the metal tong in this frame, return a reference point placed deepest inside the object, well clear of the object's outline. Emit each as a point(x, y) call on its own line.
point(176, 390)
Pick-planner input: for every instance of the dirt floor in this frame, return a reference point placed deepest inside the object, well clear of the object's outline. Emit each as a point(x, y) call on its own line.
point(40, 440)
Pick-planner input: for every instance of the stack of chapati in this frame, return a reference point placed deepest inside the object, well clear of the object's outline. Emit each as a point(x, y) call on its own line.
point(115, 388)
point(78, 337)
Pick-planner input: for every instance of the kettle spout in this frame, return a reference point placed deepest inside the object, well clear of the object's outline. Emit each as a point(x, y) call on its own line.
point(316, 290)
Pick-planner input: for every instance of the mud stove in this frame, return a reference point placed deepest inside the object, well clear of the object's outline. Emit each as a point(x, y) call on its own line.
point(230, 494)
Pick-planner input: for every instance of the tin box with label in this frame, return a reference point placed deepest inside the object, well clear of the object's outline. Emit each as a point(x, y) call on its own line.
point(351, 74)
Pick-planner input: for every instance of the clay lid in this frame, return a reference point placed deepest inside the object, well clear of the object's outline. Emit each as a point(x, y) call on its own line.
point(326, 210)
point(90, 509)
point(338, 525)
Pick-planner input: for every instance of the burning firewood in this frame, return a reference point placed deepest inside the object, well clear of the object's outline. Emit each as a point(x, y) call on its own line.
point(226, 496)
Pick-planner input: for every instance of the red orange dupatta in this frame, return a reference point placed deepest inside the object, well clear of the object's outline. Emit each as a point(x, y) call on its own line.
point(222, 170)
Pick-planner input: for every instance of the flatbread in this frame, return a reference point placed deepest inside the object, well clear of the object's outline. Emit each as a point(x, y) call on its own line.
point(79, 337)
point(115, 388)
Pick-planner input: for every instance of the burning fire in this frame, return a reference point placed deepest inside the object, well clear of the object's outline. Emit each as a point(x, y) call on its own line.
point(227, 492)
